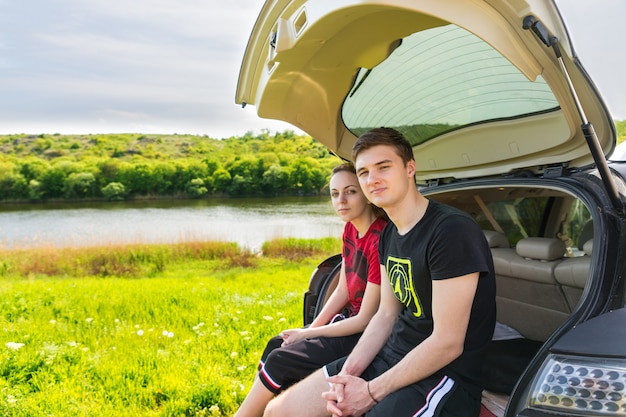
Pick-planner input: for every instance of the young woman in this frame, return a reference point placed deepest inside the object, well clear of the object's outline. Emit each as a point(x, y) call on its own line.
point(296, 353)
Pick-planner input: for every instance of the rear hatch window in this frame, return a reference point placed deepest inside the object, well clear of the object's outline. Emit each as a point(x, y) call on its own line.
point(439, 80)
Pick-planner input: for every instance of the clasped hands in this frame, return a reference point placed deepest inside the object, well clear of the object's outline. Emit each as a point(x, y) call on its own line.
point(348, 396)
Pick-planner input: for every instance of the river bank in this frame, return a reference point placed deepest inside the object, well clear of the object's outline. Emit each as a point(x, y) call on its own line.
point(148, 260)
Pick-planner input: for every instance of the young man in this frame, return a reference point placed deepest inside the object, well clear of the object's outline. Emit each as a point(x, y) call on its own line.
point(421, 353)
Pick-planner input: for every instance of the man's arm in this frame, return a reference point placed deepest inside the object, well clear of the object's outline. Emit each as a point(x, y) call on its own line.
point(376, 332)
point(373, 339)
point(452, 302)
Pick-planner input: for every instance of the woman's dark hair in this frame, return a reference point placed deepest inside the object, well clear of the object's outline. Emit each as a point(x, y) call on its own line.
point(347, 166)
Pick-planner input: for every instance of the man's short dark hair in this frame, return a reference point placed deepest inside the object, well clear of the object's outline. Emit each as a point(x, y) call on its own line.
point(384, 136)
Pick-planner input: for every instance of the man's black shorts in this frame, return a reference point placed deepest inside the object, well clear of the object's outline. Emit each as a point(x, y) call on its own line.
point(436, 396)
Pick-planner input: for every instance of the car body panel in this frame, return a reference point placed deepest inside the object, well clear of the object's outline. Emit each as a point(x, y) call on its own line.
point(588, 338)
point(322, 282)
point(298, 68)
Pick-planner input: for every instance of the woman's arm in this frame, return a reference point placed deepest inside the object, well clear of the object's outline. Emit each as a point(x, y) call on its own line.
point(336, 302)
point(349, 326)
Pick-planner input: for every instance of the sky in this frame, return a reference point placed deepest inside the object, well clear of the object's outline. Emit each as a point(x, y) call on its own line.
point(171, 66)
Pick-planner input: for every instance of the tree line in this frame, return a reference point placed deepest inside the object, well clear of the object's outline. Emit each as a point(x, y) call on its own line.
point(128, 166)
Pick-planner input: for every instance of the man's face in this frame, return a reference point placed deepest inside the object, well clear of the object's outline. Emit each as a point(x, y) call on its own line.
point(383, 176)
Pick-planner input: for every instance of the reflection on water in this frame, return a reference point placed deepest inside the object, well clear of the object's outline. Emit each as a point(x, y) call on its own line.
point(249, 222)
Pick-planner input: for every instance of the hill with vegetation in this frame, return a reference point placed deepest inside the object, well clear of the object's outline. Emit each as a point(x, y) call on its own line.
point(128, 166)
point(46, 167)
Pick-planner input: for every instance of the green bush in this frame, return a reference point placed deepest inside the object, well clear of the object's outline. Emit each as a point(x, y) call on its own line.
point(114, 191)
point(34, 190)
point(79, 184)
point(196, 188)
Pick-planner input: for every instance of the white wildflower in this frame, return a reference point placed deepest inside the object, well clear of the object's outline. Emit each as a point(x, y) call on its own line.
point(14, 345)
point(139, 332)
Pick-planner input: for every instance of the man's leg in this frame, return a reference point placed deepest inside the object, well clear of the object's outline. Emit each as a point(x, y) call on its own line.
point(303, 399)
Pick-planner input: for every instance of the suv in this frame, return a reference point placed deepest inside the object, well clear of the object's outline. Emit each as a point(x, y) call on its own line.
point(507, 126)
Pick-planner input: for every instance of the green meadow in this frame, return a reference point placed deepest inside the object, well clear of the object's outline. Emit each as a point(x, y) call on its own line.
point(144, 330)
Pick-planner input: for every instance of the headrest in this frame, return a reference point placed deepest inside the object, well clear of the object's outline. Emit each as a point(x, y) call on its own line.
point(588, 247)
point(496, 239)
point(542, 248)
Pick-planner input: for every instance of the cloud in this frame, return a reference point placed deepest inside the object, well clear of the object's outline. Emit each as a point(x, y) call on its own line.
point(166, 66)
point(154, 66)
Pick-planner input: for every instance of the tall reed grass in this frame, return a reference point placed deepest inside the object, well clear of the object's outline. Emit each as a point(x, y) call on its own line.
point(294, 248)
point(183, 340)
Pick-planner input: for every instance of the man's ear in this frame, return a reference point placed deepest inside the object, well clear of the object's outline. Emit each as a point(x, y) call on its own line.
point(410, 167)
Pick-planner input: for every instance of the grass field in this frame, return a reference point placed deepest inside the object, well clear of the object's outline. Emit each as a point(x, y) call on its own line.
point(182, 340)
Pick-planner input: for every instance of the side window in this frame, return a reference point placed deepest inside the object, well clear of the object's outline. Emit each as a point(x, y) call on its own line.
point(519, 218)
point(576, 228)
point(527, 216)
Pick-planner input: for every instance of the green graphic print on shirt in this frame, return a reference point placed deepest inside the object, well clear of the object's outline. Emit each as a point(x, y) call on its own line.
point(401, 280)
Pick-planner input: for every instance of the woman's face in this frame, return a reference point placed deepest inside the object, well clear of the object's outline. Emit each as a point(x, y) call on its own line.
point(346, 195)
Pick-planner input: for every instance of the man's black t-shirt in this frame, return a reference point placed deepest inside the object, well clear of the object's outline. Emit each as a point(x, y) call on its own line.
point(445, 243)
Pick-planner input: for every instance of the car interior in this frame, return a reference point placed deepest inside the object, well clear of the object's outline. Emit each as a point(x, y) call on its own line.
point(541, 240)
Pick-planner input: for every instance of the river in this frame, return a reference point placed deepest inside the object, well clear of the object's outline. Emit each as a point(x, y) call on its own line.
point(249, 222)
